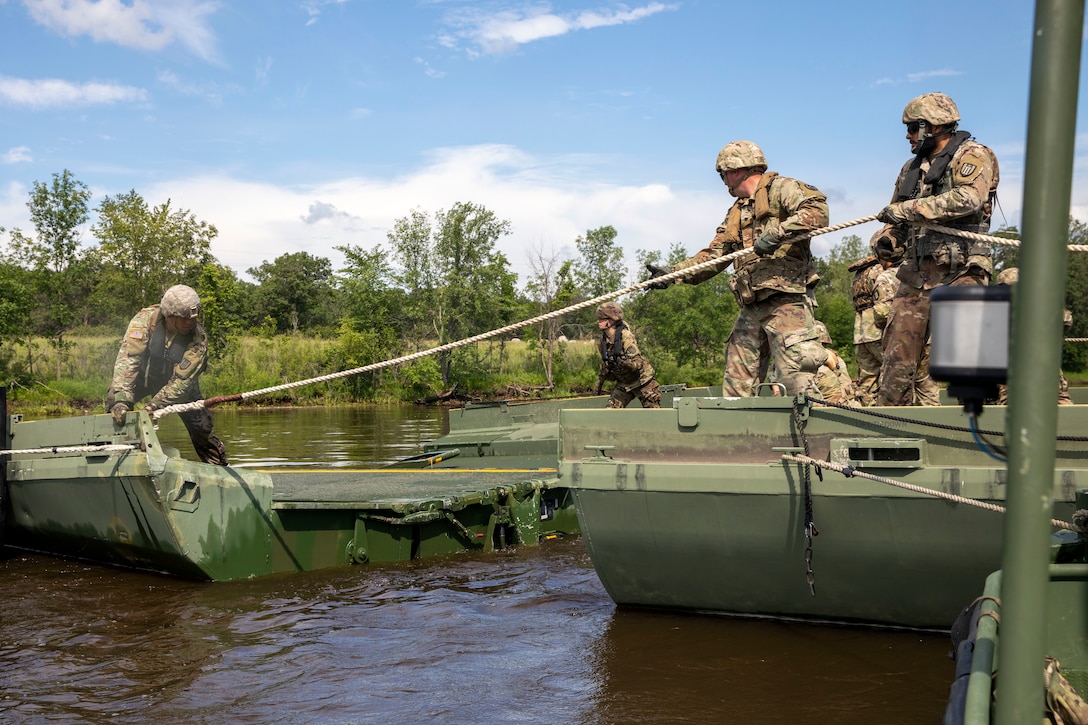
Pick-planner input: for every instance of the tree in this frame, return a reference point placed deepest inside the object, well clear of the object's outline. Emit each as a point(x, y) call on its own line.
point(296, 290)
point(146, 251)
point(1075, 354)
point(599, 269)
point(57, 211)
point(687, 323)
point(457, 283)
point(222, 302)
point(834, 294)
point(551, 288)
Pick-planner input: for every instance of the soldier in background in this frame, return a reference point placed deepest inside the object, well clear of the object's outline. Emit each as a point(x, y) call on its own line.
point(621, 361)
point(1010, 276)
point(872, 291)
point(163, 354)
point(772, 216)
point(833, 377)
point(951, 181)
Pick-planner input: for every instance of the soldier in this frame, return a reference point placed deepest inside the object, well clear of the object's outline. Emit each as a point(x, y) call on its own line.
point(163, 354)
point(772, 215)
point(832, 378)
point(872, 291)
point(951, 181)
point(621, 361)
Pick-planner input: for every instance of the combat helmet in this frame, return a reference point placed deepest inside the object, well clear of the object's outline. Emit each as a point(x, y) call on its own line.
point(936, 109)
point(740, 155)
point(1008, 276)
point(610, 311)
point(180, 301)
point(929, 110)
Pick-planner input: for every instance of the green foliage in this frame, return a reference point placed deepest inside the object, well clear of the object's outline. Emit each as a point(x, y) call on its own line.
point(221, 301)
point(144, 251)
point(1075, 354)
point(457, 283)
point(296, 290)
point(60, 281)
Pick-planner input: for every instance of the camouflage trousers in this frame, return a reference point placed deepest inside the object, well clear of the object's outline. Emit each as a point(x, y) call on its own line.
point(649, 395)
point(906, 347)
point(869, 356)
point(198, 423)
point(778, 331)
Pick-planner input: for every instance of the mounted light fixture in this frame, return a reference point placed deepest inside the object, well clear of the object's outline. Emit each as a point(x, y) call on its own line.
point(970, 341)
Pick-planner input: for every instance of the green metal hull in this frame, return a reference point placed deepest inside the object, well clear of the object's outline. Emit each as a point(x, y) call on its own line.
point(509, 434)
point(971, 699)
point(150, 509)
point(692, 508)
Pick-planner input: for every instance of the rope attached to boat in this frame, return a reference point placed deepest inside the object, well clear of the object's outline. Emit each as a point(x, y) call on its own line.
point(104, 448)
point(851, 472)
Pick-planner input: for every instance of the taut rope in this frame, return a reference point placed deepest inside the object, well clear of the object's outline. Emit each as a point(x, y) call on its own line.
point(720, 262)
point(850, 472)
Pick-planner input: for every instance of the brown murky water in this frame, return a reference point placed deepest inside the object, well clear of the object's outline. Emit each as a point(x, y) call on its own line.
point(525, 636)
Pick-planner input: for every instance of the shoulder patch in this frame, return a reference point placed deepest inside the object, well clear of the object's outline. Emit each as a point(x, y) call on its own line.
point(137, 334)
point(184, 364)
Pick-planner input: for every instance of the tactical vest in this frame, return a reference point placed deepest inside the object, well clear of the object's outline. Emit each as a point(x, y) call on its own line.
point(957, 252)
point(864, 285)
point(161, 358)
point(610, 356)
point(756, 277)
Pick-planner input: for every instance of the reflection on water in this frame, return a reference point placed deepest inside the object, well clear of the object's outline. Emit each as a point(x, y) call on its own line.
point(340, 436)
point(526, 635)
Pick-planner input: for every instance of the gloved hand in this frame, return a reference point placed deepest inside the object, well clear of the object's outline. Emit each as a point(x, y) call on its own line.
point(766, 244)
point(119, 411)
point(887, 249)
point(656, 272)
point(150, 409)
point(893, 214)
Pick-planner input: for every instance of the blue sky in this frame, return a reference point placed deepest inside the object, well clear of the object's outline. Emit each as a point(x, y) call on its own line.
point(300, 125)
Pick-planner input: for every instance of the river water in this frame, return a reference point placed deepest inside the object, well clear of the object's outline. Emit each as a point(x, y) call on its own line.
point(526, 635)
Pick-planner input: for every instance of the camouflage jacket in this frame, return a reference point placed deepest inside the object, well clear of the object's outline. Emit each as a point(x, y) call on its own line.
point(783, 206)
point(871, 316)
point(151, 361)
point(621, 361)
point(955, 189)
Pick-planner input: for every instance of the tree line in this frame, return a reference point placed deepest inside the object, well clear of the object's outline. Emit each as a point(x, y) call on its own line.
point(440, 278)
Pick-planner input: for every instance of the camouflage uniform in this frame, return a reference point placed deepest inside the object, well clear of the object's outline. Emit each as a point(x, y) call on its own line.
point(152, 362)
point(955, 188)
point(775, 321)
point(873, 286)
point(833, 381)
point(621, 361)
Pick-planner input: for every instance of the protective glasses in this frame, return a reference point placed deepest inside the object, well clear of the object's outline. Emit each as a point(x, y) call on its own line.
point(914, 127)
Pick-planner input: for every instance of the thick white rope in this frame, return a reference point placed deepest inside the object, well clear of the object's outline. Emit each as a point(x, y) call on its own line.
point(721, 262)
point(105, 448)
point(850, 471)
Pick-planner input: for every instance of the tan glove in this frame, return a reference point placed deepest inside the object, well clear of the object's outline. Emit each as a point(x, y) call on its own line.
point(119, 412)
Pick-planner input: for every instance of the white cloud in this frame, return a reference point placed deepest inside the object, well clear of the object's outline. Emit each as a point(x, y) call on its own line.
point(926, 75)
point(57, 93)
point(506, 30)
point(258, 222)
point(140, 24)
point(17, 154)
